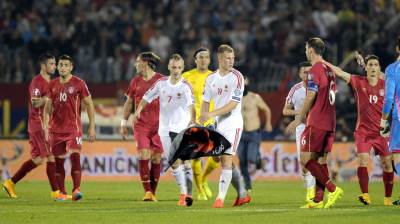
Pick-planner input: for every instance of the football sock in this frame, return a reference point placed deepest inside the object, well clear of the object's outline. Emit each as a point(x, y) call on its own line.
point(180, 179)
point(196, 166)
point(210, 166)
point(319, 172)
point(189, 179)
point(237, 183)
point(155, 172)
point(363, 178)
point(388, 183)
point(224, 181)
point(145, 174)
point(51, 175)
point(76, 173)
point(309, 180)
point(60, 174)
point(23, 170)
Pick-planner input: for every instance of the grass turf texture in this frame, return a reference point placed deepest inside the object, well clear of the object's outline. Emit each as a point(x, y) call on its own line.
point(120, 202)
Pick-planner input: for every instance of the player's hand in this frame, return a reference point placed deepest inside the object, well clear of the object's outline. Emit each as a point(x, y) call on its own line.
point(136, 117)
point(46, 134)
point(204, 117)
point(384, 128)
point(292, 126)
point(268, 127)
point(123, 130)
point(91, 134)
point(359, 58)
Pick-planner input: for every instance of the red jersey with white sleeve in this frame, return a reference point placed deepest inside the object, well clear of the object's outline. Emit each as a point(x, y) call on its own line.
point(66, 101)
point(137, 88)
point(369, 104)
point(322, 114)
point(38, 88)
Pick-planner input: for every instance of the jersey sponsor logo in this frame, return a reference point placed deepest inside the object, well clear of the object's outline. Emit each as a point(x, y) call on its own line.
point(237, 92)
point(381, 92)
point(36, 92)
point(71, 90)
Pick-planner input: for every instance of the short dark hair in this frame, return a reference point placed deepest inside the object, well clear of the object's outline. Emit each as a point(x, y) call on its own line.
point(200, 50)
point(151, 59)
point(317, 44)
point(66, 57)
point(304, 64)
point(371, 57)
point(44, 57)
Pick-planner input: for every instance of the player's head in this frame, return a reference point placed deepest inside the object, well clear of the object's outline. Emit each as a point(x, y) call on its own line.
point(202, 58)
point(47, 63)
point(146, 61)
point(315, 46)
point(226, 57)
point(176, 65)
point(304, 68)
point(65, 65)
point(372, 66)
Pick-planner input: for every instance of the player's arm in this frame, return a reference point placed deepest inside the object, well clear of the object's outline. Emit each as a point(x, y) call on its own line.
point(390, 85)
point(48, 108)
point(205, 105)
point(339, 72)
point(148, 97)
point(288, 110)
point(38, 101)
point(308, 102)
point(139, 109)
point(126, 112)
point(90, 112)
point(264, 107)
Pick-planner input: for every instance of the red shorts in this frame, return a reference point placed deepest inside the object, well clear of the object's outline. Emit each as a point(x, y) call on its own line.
point(317, 140)
point(39, 145)
point(147, 139)
point(60, 143)
point(365, 143)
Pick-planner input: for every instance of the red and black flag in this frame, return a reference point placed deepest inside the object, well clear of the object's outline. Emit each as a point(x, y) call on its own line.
point(196, 142)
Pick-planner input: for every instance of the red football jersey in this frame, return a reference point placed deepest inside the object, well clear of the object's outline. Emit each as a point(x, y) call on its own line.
point(369, 104)
point(38, 88)
point(66, 100)
point(322, 80)
point(150, 114)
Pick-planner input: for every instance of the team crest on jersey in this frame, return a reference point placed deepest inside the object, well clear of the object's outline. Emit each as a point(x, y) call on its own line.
point(237, 92)
point(310, 76)
point(71, 90)
point(36, 92)
point(381, 92)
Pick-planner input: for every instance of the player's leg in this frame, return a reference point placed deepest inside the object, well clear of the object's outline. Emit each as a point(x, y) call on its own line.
point(143, 139)
point(155, 169)
point(309, 180)
point(237, 182)
point(211, 164)
point(189, 182)
point(197, 170)
point(387, 177)
point(51, 175)
point(35, 140)
point(73, 146)
point(58, 149)
point(362, 174)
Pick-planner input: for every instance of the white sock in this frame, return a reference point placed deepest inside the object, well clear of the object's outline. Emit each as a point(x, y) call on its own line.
point(224, 181)
point(189, 179)
point(179, 175)
point(309, 180)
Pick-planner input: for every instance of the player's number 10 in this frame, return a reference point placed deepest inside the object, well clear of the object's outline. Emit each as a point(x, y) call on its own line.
point(63, 97)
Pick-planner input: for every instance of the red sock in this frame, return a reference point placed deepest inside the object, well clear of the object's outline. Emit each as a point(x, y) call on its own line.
point(388, 182)
point(321, 174)
point(363, 178)
point(319, 191)
point(23, 170)
point(76, 173)
point(145, 174)
point(60, 174)
point(154, 176)
point(51, 174)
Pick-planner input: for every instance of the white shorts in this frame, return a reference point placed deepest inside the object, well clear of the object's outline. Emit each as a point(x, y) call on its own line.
point(299, 131)
point(166, 144)
point(233, 136)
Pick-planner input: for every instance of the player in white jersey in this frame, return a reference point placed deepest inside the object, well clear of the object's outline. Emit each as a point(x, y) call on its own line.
point(225, 86)
point(177, 112)
point(293, 105)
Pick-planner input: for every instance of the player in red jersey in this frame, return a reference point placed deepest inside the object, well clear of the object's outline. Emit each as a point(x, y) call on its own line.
point(40, 149)
point(319, 133)
point(64, 130)
point(145, 130)
point(369, 93)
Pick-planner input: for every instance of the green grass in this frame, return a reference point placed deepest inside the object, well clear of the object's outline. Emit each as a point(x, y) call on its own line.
point(120, 202)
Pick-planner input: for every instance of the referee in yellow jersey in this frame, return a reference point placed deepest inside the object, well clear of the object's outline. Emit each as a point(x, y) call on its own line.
point(197, 77)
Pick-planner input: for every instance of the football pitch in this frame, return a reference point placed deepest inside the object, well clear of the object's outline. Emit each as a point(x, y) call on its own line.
point(120, 202)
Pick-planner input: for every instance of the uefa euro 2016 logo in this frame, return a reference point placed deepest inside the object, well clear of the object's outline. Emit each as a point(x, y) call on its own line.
point(7, 157)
